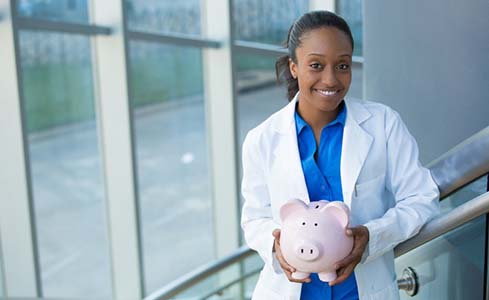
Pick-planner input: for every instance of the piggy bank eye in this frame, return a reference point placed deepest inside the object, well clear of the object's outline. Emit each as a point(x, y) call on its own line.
point(315, 224)
point(304, 223)
point(317, 206)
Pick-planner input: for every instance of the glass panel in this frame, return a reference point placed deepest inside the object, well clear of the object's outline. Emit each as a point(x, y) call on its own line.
point(351, 11)
point(451, 266)
point(65, 165)
point(251, 269)
point(467, 193)
point(255, 22)
point(66, 10)
point(258, 93)
point(172, 160)
point(164, 16)
point(235, 282)
point(258, 96)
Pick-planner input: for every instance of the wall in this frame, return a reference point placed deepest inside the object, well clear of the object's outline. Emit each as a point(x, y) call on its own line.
point(429, 60)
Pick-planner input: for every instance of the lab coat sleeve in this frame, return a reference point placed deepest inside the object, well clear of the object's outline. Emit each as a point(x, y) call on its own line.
point(256, 218)
point(415, 192)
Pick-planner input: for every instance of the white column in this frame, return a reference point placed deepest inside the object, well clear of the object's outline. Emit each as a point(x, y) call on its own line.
point(219, 99)
point(322, 5)
point(16, 228)
point(115, 132)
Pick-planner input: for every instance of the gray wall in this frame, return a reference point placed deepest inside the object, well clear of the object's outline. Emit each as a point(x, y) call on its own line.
point(429, 60)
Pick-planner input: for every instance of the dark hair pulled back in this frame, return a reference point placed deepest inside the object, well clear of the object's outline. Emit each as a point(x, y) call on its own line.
point(307, 22)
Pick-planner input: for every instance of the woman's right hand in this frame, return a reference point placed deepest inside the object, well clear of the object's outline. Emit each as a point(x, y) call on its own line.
point(288, 269)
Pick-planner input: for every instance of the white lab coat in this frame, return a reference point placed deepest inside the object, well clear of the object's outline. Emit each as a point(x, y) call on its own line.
point(383, 183)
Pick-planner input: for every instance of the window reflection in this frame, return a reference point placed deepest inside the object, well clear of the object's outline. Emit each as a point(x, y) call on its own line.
point(164, 16)
point(56, 10)
point(266, 21)
point(65, 165)
point(351, 11)
point(258, 93)
point(172, 161)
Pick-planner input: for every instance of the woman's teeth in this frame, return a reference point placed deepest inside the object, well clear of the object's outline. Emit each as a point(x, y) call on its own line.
point(327, 93)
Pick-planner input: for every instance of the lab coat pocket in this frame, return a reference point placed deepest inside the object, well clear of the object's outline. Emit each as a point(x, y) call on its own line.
point(368, 200)
point(370, 186)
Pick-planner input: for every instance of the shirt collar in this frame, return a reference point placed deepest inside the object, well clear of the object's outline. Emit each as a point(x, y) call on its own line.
point(340, 118)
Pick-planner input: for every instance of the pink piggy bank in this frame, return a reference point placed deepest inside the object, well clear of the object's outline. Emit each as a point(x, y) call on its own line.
point(313, 237)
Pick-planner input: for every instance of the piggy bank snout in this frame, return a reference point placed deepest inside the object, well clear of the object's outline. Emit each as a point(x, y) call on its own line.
point(307, 250)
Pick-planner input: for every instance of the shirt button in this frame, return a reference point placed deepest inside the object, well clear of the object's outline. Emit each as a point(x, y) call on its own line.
point(323, 187)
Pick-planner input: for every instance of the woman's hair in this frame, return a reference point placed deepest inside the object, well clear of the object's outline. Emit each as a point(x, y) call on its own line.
point(307, 22)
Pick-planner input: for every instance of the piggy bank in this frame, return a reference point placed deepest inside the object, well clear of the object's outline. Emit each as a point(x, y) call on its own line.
point(313, 237)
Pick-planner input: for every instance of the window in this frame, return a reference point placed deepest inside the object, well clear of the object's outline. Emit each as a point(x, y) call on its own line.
point(65, 164)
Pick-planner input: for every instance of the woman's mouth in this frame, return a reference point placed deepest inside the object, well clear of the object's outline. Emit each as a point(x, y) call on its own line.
point(327, 93)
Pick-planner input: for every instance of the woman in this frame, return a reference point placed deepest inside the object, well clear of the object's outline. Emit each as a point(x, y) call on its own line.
point(325, 146)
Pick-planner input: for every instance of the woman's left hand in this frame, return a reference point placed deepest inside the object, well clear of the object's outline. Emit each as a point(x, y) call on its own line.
point(346, 266)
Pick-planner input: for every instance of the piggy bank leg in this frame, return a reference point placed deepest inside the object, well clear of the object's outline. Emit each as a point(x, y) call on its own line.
point(327, 276)
point(300, 275)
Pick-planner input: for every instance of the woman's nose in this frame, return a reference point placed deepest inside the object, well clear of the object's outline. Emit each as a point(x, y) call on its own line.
point(329, 77)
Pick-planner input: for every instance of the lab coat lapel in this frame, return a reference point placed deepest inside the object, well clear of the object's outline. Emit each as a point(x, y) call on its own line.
point(287, 162)
point(356, 145)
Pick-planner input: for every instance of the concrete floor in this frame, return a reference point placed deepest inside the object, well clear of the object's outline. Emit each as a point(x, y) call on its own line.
point(174, 194)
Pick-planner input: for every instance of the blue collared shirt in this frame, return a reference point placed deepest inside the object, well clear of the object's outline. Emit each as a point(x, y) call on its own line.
point(323, 180)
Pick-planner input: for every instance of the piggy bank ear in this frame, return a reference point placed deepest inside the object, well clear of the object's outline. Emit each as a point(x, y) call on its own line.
point(291, 206)
point(338, 210)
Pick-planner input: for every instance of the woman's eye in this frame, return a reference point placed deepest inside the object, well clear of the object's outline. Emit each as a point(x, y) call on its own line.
point(315, 66)
point(343, 67)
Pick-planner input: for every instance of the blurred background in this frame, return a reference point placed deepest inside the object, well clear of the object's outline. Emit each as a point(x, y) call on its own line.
point(122, 122)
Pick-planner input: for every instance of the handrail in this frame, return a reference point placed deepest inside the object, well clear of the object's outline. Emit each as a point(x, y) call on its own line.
point(458, 167)
point(229, 284)
point(199, 274)
point(463, 164)
point(444, 223)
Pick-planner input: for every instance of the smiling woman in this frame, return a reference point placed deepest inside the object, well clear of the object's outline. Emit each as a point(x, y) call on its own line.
point(327, 145)
point(323, 69)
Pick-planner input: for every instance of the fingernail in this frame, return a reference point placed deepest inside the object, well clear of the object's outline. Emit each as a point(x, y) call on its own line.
point(348, 232)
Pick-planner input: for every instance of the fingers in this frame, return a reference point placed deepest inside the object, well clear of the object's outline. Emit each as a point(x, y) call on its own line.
point(350, 259)
point(343, 274)
point(358, 232)
point(278, 253)
point(291, 279)
point(288, 269)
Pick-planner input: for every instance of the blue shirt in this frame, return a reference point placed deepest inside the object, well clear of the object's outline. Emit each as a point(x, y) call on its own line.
point(323, 180)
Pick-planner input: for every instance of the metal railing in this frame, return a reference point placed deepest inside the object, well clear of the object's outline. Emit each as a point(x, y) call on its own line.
point(452, 171)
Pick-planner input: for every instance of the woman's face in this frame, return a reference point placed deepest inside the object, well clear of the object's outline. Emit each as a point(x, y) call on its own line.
point(323, 68)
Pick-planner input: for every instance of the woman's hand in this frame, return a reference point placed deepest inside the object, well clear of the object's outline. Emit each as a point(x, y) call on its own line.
point(288, 269)
point(346, 266)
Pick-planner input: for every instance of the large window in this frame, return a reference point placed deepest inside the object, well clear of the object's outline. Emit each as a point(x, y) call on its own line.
point(174, 180)
point(266, 21)
point(55, 10)
point(65, 164)
point(172, 160)
point(165, 16)
point(352, 12)
point(257, 90)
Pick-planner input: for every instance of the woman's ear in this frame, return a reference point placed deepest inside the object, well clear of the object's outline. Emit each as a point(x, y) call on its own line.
point(293, 68)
